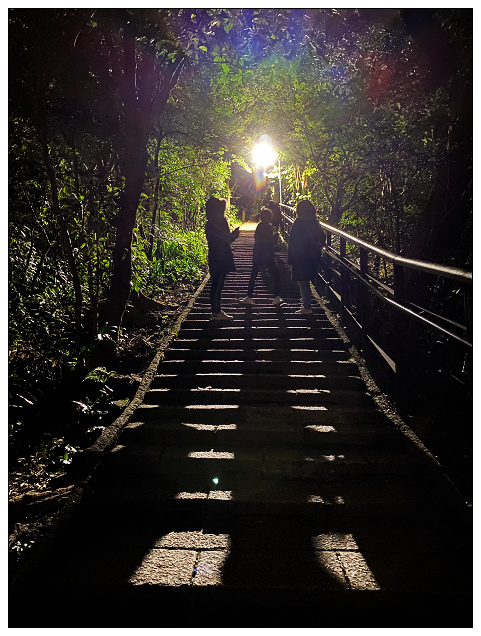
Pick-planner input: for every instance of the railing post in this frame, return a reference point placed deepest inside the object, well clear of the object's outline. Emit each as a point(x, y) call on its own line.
point(344, 274)
point(468, 314)
point(401, 332)
point(468, 311)
point(327, 262)
point(363, 299)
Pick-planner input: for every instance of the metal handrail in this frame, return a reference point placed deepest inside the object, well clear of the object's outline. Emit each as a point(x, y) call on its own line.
point(454, 273)
point(421, 360)
point(403, 308)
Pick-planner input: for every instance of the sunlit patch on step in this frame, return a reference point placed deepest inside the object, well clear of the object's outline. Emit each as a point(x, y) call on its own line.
point(209, 567)
point(324, 458)
point(305, 376)
point(308, 391)
point(118, 448)
point(334, 541)
point(195, 540)
point(212, 406)
point(223, 362)
point(334, 501)
point(201, 427)
point(134, 425)
point(183, 558)
point(331, 501)
point(339, 554)
point(210, 455)
point(319, 428)
point(191, 495)
point(211, 427)
point(309, 408)
point(221, 374)
point(221, 495)
point(210, 388)
point(171, 568)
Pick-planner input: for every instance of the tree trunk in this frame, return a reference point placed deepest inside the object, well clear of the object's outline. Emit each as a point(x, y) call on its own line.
point(156, 199)
point(144, 91)
point(134, 172)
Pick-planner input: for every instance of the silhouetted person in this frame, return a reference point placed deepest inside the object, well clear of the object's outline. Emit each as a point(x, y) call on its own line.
point(263, 257)
point(220, 256)
point(306, 241)
point(276, 217)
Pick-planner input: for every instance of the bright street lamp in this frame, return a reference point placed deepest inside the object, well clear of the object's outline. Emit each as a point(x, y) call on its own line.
point(264, 156)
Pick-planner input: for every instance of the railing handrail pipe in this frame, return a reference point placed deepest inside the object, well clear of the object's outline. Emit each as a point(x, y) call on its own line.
point(455, 273)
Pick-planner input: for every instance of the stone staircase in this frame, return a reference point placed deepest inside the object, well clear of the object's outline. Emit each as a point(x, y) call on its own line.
point(260, 486)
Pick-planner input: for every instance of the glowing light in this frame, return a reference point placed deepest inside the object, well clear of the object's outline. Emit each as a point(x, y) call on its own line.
point(216, 480)
point(216, 407)
point(339, 555)
point(191, 495)
point(263, 155)
point(321, 429)
point(222, 495)
point(210, 455)
point(209, 568)
point(184, 558)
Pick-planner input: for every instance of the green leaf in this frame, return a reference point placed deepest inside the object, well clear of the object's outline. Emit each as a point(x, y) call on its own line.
point(203, 48)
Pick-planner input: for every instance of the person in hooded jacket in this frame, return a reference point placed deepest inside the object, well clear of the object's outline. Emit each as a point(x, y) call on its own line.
point(220, 256)
point(263, 257)
point(276, 220)
point(306, 241)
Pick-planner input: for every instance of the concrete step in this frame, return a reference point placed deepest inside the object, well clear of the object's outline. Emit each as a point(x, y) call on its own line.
point(248, 429)
point(343, 461)
point(225, 380)
point(238, 352)
point(259, 332)
point(333, 370)
point(199, 321)
point(251, 395)
point(258, 344)
point(205, 487)
point(315, 422)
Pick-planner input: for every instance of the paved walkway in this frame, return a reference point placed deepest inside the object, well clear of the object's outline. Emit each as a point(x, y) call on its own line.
point(259, 486)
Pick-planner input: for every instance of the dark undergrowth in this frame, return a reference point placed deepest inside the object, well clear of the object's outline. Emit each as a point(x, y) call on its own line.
point(56, 412)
